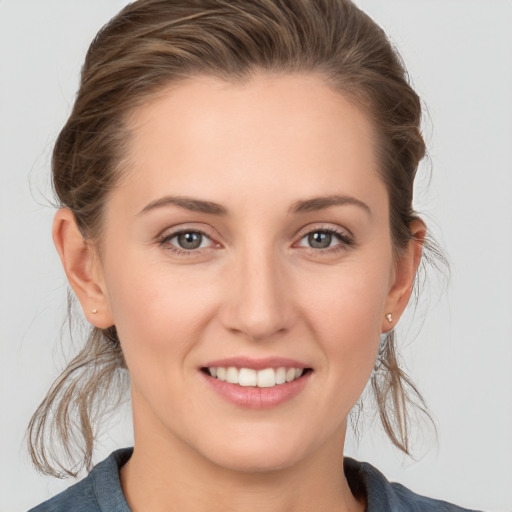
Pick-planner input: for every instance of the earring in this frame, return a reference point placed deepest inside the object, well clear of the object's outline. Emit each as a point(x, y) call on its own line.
point(389, 316)
point(94, 311)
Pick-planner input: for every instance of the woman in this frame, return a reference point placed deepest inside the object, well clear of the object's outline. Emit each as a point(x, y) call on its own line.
point(236, 222)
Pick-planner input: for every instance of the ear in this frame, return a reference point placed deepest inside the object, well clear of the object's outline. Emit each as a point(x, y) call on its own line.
point(404, 274)
point(83, 269)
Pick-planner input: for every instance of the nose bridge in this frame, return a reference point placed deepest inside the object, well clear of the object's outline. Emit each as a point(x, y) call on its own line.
point(259, 305)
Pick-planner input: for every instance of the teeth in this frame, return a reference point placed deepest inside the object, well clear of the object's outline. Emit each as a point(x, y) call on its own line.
point(247, 377)
point(281, 375)
point(290, 374)
point(232, 375)
point(267, 378)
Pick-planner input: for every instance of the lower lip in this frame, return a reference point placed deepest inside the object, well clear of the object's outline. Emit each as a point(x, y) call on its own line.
point(257, 398)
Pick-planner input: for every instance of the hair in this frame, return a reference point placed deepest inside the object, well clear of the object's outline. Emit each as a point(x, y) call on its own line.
point(152, 44)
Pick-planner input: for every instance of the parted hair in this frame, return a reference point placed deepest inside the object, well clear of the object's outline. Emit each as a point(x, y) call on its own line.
point(150, 45)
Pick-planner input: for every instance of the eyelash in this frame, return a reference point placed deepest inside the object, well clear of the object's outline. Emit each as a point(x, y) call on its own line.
point(346, 241)
point(165, 242)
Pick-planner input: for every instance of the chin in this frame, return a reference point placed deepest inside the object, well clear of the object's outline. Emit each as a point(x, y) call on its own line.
point(248, 461)
point(258, 452)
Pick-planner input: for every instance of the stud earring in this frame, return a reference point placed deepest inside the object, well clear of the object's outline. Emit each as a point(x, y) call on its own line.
point(94, 311)
point(389, 316)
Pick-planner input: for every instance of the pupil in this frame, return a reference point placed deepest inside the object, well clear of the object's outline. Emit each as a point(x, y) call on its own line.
point(320, 239)
point(190, 240)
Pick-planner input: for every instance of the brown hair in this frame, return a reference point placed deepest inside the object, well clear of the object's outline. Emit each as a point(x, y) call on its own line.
point(153, 43)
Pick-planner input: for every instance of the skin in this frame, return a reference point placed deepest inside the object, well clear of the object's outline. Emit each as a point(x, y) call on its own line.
point(254, 288)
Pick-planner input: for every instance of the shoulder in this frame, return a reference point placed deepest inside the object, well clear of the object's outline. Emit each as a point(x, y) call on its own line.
point(100, 491)
point(365, 480)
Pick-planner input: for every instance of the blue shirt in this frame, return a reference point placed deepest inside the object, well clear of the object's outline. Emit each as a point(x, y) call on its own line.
point(101, 491)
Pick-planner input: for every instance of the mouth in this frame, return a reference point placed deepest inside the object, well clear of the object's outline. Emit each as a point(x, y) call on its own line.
point(250, 377)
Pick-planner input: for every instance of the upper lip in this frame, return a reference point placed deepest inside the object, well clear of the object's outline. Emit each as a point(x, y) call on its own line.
point(255, 363)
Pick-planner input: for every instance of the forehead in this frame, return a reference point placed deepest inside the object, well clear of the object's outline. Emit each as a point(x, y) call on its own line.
point(284, 134)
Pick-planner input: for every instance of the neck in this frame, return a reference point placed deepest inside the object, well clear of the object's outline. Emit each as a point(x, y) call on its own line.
point(165, 471)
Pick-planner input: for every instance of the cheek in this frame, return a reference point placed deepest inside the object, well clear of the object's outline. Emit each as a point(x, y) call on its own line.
point(158, 312)
point(346, 314)
point(350, 299)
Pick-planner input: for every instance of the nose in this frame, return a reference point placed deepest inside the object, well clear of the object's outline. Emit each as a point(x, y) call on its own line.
point(259, 301)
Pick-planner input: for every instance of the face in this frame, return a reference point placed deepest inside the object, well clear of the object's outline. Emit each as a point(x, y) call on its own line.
point(249, 240)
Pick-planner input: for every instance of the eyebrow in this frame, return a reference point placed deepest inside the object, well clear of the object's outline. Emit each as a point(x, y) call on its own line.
point(209, 207)
point(188, 203)
point(320, 203)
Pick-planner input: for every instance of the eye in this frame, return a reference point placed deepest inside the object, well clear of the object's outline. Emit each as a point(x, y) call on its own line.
point(186, 241)
point(321, 239)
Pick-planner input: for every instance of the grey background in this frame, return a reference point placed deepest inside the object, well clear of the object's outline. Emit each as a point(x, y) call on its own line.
point(459, 54)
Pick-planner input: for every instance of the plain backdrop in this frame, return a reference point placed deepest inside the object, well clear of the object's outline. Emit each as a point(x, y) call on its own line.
point(459, 54)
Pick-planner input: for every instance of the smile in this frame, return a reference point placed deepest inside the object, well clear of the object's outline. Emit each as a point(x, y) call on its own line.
point(264, 378)
point(256, 383)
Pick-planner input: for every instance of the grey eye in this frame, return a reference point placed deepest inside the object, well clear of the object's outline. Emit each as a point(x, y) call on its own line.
point(189, 240)
point(319, 239)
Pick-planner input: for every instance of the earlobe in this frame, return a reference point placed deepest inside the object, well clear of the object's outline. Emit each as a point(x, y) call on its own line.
point(81, 266)
point(404, 275)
